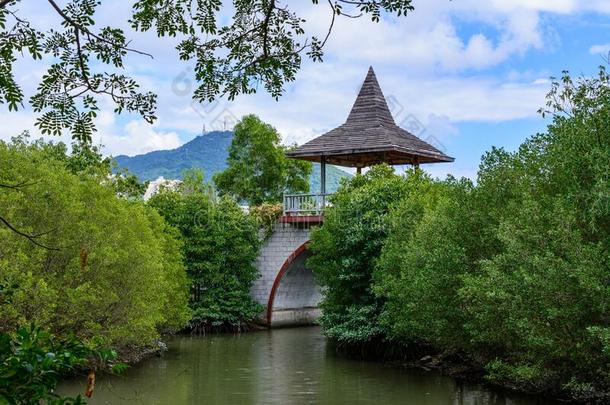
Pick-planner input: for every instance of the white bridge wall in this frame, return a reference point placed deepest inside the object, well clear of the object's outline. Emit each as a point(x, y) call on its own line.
point(297, 294)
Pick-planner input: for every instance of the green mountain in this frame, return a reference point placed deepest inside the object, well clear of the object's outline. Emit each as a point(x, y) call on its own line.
point(333, 178)
point(207, 152)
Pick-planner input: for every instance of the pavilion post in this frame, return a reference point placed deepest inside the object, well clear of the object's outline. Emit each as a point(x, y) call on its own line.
point(323, 180)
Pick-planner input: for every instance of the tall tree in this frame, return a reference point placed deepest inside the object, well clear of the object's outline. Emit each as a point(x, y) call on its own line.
point(258, 170)
point(220, 245)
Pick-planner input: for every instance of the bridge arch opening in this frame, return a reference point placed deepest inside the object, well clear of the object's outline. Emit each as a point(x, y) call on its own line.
point(295, 295)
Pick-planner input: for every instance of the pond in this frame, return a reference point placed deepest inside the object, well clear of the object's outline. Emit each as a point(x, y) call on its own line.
point(281, 366)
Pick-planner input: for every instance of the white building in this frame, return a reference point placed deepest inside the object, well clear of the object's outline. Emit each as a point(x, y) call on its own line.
point(155, 185)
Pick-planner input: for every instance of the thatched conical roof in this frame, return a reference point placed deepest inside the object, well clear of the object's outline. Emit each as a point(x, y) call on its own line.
point(369, 136)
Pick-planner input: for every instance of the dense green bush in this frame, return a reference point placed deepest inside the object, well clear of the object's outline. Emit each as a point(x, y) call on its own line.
point(220, 245)
point(347, 247)
point(541, 305)
point(266, 216)
point(513, 272)
point(111, 268)
point(418, 274)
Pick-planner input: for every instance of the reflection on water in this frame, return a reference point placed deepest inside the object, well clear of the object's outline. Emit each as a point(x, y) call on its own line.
point(282, 366)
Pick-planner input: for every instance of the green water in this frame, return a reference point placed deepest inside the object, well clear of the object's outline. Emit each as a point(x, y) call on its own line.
point(282, 366)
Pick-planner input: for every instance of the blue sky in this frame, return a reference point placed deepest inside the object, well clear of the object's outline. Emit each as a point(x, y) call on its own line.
point(472, 73)
point(570, 38)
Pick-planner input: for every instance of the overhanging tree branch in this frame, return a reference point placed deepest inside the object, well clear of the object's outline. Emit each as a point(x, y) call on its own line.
point(264, 43)
point(19, 185)
point(80, 27)
point(31, 238)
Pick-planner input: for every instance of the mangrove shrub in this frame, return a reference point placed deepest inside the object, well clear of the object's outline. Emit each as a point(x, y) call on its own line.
point(346, 249)
point(92, 263)
point(220, 245)
point(511, 273)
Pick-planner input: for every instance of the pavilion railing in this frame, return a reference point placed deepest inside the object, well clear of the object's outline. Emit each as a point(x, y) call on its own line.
point(305, 204)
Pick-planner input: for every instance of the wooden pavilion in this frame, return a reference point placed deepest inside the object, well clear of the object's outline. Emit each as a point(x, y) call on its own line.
point(369, 136)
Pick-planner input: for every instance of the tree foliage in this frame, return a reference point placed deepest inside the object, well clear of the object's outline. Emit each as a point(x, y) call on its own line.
point(421, 262)
point(261, 44)
point(511, 273)
point(112, 269)
point(258, 171)
point(546, 293)
point(347, 247)
point(83, 160)
point(220, 245)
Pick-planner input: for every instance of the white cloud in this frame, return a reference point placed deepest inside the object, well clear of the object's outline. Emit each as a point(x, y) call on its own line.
point(136, 137)
point(601, 6)
point(441, 124)
point(133, 138)
point(14, 123)
point(555, 6)
point(428, 39)
point(603, 49)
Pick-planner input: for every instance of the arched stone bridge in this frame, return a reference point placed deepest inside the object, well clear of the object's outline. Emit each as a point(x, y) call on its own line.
point(286, 287)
